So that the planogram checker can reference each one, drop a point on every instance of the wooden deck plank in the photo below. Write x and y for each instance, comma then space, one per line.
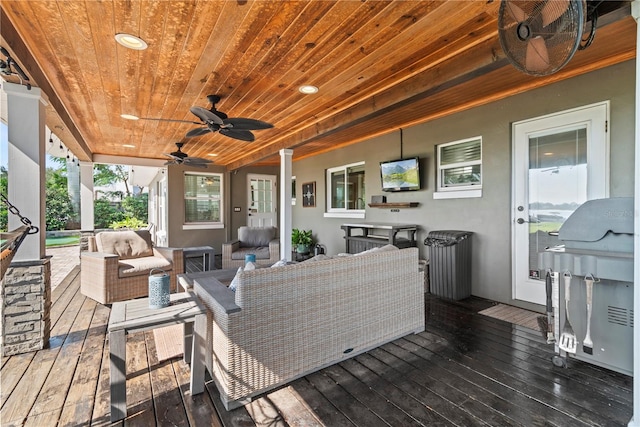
19, 403
54, 391
465, 369
418, 411
264, 413
12, 372
294, 411
328, 414
200, 409
376, 403
358, 413
167, 401
79, 404
140, 410
101, 405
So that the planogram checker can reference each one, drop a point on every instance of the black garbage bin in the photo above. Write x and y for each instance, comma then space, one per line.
450, 263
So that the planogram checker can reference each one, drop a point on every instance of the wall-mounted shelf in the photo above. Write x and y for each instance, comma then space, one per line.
394, 205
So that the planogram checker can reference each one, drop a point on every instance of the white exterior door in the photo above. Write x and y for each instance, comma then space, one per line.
261, 211
560, 161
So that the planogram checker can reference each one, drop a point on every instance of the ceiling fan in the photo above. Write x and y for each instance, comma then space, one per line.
213, 120
540, 37
179, 157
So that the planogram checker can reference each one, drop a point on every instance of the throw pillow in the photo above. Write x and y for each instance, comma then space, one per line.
280, 263
234, 283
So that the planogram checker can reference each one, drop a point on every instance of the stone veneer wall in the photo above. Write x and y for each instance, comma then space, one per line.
25, 306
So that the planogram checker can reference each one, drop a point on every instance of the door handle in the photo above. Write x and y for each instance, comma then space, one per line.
521, 221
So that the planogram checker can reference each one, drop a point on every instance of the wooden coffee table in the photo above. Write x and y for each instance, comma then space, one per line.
136, 316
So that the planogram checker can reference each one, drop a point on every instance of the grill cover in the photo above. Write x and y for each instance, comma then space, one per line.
604, 225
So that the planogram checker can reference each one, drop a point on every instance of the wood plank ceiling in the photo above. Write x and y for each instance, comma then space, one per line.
379, 65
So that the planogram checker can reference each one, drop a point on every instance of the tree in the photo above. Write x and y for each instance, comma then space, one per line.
136, 206
105, 175
4, 188
105, 214
59, 209
58, 206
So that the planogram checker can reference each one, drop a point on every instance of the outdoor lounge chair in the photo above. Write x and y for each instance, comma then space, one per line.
117, 265
263, 242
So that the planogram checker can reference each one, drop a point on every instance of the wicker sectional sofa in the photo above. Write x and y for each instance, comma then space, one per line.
283, 323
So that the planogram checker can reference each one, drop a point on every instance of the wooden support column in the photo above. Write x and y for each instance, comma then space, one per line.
25, 300
27, 149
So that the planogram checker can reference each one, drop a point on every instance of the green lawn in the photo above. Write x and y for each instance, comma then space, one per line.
62, 241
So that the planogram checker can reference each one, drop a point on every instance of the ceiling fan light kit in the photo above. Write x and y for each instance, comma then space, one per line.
541, 37
179, 157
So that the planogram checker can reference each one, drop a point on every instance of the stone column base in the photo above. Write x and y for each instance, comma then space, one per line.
25, 306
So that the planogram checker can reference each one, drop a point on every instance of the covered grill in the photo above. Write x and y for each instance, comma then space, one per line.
598, 246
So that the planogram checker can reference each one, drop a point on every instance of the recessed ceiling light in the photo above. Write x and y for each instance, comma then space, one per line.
212, 155
131, 42
129, 117
128, 145
308, 89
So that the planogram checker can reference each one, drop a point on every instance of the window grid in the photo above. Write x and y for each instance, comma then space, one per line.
460, 165
202, 198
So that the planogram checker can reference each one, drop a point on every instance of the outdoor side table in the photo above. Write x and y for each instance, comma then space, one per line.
136, 316
206, 252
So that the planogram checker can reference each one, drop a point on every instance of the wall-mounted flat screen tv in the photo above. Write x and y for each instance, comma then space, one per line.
400, 175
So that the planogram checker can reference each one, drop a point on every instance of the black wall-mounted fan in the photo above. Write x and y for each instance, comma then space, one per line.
213, 120
179, 157
540, 37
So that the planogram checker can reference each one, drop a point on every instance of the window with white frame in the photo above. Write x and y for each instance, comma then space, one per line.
460, 168
202, 198
346, 192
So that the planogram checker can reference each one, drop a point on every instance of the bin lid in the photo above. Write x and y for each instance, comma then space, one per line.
446, 237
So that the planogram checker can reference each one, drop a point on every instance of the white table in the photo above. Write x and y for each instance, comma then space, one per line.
136, 316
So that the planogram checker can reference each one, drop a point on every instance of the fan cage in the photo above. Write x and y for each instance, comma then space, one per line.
540, 37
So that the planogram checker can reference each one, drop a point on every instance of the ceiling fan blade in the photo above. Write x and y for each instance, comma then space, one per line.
537, 55
246, 124
194, 164
200, 160
197, 132
170, 120
171, 156
553, 10
171, 162
516, 13
243, 135
206, 115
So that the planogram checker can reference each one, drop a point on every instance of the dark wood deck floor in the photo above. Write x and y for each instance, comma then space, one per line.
465, 369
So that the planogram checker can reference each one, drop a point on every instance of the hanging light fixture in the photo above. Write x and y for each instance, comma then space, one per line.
50, 139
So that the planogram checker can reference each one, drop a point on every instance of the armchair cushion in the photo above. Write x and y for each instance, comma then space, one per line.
251, 237
144, 265
126, 244
259, 252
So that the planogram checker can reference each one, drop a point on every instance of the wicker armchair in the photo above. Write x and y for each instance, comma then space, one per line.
117, 264
263, 242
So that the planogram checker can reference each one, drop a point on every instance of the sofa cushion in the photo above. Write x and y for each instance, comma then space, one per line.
260, 253
143, 266
255, 236
126, 244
